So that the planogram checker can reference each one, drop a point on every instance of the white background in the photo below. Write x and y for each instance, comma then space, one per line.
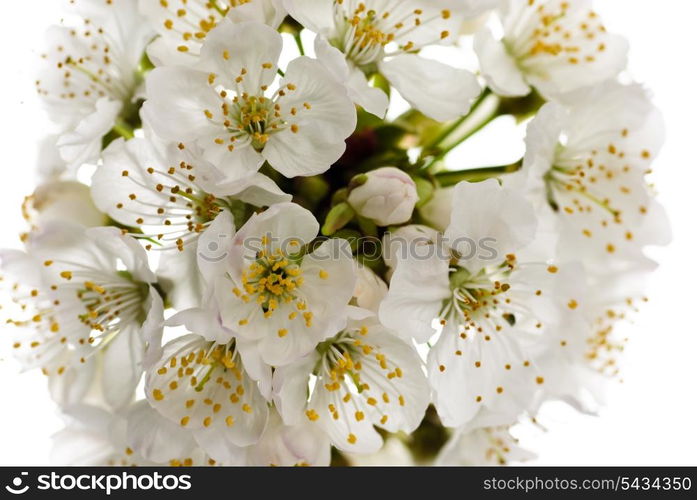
649, 419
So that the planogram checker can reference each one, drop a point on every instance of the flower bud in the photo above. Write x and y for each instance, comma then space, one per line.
386, 195
437, 211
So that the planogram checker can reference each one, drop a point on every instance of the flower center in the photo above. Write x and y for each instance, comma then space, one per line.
206, 382
598, 184
207, 360
258, 117
183, 212
364, 33
553, 33
247, 116
480, 299
105, 301
360, 377
274, 279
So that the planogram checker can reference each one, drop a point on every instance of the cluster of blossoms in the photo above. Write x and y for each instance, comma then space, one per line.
258, 267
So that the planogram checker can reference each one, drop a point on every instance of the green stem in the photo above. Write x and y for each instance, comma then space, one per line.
483, 112
124, 129
280, 72
446, 179
299, 43
445, 133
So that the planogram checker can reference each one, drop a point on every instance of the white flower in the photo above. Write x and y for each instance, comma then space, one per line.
90, 76
386, 195
274, 291
95, 298
170, 193
38, 342
589, 350
230, 109
483, 446
290, 445
555, 46
183, 25
490, 307
362, 38
61, 201
363, 377
205, 387
585, 167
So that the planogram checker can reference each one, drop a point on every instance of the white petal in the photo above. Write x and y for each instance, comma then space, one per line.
214, 245
486, 215
290, 387
85, 439
437, 90
111, 188
314, 137
417, 290
269, 12
407, 390
111, 241
315, 16
373, 100
152, 328
219, 446
541, 140
256, 368
71, 387
477, 377
173, 19
204, 322
84, 144
123, 368
346, 432
182, 293
154, 437
283, 445
177, 98
256, 189
65, 200
500, 70
370, 289
304, 154
484, 446
163, 51
49, 162
242, 50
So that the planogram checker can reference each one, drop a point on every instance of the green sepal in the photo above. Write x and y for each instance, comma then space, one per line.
337, 218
